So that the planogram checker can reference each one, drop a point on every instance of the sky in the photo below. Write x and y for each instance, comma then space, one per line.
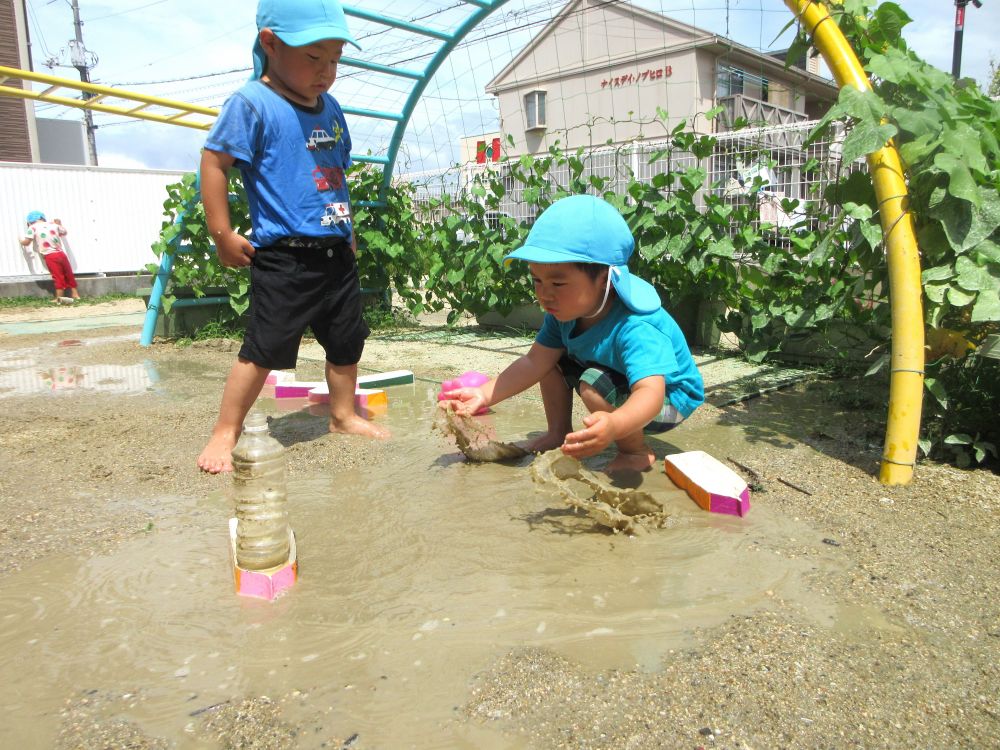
198, 51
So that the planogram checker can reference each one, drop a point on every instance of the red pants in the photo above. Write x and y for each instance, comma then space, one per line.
61, 270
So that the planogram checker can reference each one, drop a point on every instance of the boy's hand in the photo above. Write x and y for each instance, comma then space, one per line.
235, 250
464, 401
598, 435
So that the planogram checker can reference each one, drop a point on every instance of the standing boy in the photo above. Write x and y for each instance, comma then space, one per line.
47, 238
604, 335
289, 139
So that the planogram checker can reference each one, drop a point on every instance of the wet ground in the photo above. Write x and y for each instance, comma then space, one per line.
449, 605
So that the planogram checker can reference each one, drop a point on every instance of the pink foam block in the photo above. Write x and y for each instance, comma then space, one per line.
279, 376
469, 379
264, 584
295, 389
709, 482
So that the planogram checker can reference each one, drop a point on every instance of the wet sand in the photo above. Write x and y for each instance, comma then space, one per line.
894, 643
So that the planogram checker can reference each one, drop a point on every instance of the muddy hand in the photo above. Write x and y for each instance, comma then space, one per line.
597, 435
463, 401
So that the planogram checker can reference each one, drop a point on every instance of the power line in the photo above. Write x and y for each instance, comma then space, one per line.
38, 30
123, 12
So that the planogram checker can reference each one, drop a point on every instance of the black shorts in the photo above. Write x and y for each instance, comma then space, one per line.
294, 288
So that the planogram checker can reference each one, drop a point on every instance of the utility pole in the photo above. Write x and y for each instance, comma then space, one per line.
83, 60
956, 55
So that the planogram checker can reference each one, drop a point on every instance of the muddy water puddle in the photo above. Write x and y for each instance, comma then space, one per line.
415, 574
50, 369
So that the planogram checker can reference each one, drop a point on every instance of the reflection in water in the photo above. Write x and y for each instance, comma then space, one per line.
26, 376
415, 575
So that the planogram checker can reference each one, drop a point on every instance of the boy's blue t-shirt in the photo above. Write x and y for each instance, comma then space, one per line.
636, 345
292, 160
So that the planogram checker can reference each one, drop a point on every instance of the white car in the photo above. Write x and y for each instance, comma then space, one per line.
319, 138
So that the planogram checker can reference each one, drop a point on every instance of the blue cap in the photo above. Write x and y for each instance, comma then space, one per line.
298, 23
586, 229
35, 216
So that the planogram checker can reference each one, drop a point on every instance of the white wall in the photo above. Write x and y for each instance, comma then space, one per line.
113, 216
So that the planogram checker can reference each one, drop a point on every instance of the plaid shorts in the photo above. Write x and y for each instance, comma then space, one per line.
614, 388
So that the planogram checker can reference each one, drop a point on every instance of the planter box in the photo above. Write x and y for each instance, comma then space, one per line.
839, 340
523, 316
188, 314
696, 319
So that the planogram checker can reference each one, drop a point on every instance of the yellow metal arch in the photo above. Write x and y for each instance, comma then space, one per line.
906, 384
106, 99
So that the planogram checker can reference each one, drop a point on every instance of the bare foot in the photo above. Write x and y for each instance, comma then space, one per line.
543, 443
217, 456
642, 461
356, 425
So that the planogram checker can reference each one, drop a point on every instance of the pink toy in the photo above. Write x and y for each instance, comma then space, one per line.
470, 379
279, 376
295, 388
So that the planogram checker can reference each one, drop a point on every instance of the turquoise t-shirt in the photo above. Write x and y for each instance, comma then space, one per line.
636, 345
293, 161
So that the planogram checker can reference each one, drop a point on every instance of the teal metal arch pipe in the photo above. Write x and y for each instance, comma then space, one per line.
450, 41
163, 276
159, 285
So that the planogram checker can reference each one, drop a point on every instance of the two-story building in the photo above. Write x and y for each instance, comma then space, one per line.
604, 72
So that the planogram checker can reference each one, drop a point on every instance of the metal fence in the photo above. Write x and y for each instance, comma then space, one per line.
762, 165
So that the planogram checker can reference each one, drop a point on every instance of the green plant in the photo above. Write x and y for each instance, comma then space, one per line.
389, 250
948, 136
961, 421
217, 329
467, 272
12, 302
185, 236
393, 249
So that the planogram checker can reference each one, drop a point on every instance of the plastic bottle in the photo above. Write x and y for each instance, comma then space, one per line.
262, 530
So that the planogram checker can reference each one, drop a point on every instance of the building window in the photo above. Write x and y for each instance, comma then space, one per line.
534, 109
730, 82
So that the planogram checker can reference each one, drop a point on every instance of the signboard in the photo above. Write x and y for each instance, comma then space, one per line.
639, 76
487, 152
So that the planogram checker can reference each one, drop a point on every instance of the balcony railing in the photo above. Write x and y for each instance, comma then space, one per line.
755, 112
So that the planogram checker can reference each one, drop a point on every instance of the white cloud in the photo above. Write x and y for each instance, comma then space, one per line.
120, 161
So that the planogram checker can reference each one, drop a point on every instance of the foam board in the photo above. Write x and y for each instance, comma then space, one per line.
383, 379
709, 482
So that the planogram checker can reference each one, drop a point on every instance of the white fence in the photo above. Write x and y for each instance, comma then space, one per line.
775, 159
113, 216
